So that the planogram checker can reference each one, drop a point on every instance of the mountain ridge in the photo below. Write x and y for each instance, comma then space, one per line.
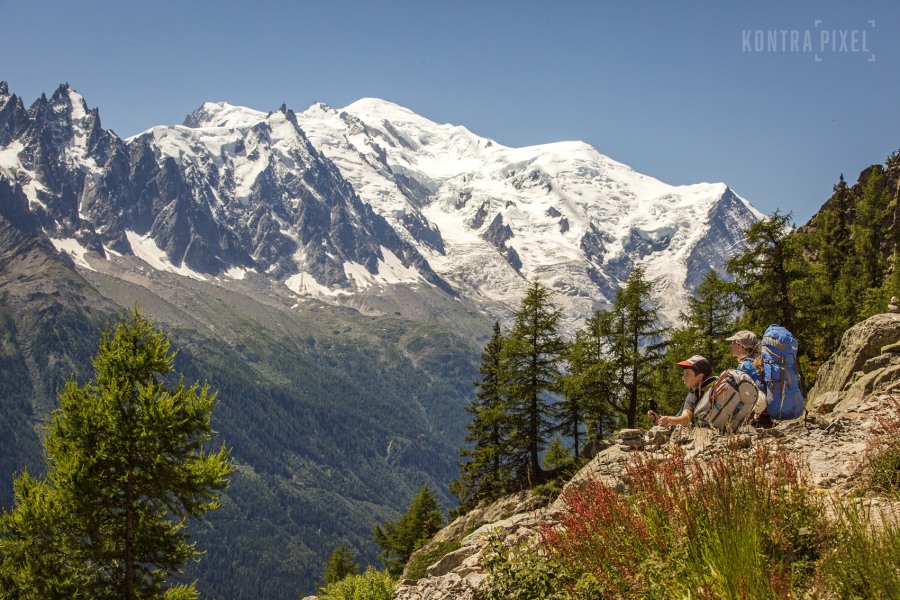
335, 202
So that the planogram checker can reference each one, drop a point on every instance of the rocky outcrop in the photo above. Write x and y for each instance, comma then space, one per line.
851, 395
458, 574
867, 362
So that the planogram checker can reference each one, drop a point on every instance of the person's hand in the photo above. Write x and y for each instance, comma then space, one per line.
653, 416
664, 421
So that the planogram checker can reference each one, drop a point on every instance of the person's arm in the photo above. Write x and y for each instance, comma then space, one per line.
683, 419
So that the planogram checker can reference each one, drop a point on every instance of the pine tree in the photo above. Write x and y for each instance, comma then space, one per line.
399, 539
341, 564
127, 467
532, 358
486, 474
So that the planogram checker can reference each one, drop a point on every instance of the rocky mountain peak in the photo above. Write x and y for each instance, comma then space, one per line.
369, 199
222, 114
13, 116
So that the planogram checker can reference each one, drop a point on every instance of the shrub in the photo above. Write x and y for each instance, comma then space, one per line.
371, 585
742, 526
521, 574
748, 520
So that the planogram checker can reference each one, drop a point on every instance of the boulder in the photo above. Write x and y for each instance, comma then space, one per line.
490, 513
631, 439
657, 437
866, 362
451, 561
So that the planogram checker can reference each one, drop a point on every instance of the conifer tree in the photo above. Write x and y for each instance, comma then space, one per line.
590, 384
486, 474
532, 357
765, 271
836, 220
557, 456
871, 230
570, 410
636, 342
710, 318
399, 539
341, 564
832, 282
127, 466
667, 388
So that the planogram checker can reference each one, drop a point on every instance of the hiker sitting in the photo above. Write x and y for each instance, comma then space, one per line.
696, 376
745, 348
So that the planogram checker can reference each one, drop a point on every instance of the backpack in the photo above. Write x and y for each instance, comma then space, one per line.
784, 387
732, 397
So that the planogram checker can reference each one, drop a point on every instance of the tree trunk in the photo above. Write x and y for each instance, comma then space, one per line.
129, 540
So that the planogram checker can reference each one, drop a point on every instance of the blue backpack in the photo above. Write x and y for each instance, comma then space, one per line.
784, 388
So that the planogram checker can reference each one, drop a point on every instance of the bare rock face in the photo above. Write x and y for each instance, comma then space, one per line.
501, 509
852, 394
458, 575
868, 361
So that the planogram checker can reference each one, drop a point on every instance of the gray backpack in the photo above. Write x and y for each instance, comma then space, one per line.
732, 398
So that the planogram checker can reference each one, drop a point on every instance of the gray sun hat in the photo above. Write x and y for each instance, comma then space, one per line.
745, 338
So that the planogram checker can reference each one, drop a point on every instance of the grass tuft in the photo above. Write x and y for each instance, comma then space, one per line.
883, 453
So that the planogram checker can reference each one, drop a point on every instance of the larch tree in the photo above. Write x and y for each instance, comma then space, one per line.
342, 564
533, 354
636, 343
710, 318
765, 272
588, 386
127, 466
485, 474
400, 538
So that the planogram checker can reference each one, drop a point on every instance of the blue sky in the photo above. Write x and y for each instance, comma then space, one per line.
684, 91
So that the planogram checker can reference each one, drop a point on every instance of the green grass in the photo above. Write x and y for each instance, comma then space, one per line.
865, 561
883, 453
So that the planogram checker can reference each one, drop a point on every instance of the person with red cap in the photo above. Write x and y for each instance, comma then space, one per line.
697, 377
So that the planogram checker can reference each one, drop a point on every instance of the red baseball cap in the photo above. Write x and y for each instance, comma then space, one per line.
698, 363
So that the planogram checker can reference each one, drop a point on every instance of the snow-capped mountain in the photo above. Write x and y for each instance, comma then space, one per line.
490, 218
364, 200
